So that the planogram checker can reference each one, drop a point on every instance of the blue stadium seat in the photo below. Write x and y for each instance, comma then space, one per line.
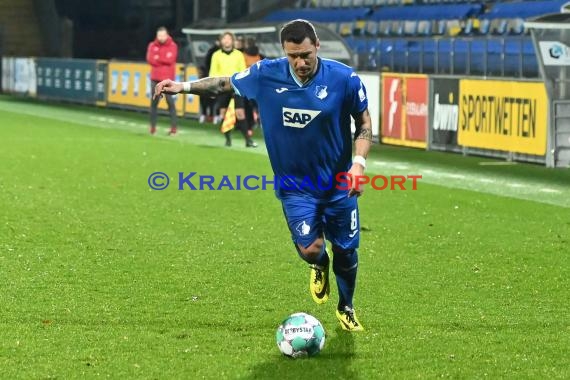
318, 15
477, 62
530, 63
400, 55
386, 52
429, 54
443, 56
461, 58
512, 56
495, 48
525, 9
427, 12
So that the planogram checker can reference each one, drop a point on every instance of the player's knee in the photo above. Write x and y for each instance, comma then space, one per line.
313, 250
342, 251
240, 114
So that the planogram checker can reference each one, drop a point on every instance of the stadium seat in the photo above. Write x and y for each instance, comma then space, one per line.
397, 28
386, 52
468, 27
429, 54
359, 27
525, 9
424, 28
410, 28
346, 28
498, 26
460, 57
484, 26
512, 58
427, 12
530, 63
439, 27
495, 55
332, 26
371, 28
477, 60
318, 15
515, 26
453, 27
384, 28
324, 4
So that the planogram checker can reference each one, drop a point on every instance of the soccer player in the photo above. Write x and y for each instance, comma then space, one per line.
161, 55
306, 103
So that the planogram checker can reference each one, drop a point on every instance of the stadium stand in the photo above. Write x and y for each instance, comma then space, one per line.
19, 40
433, 36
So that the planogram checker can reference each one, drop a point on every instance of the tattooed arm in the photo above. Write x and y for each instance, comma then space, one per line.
362, 143
363, 134
210, 86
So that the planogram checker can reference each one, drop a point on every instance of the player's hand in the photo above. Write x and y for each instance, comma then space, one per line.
167, 86
356, 187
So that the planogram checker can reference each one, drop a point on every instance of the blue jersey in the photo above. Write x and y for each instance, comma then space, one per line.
307, 127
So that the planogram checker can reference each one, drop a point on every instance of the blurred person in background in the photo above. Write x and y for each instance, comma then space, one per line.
226, 62
252, 55
161, 55
208, 104
239, 43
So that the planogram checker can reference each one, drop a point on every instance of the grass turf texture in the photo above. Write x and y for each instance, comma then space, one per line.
103, 277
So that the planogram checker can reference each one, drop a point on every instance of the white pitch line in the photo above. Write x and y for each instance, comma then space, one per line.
498, 163
549, 190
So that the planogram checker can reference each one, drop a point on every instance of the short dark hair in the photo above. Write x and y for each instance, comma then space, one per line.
297, 30
162, 29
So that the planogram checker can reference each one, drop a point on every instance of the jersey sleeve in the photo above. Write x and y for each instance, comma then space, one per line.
246, 82
356, 95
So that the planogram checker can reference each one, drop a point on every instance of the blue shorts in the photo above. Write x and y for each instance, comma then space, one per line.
308, 220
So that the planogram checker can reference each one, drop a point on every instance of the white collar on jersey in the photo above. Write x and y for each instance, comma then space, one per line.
310, 80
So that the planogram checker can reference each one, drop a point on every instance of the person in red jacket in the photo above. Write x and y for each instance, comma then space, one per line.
161, 55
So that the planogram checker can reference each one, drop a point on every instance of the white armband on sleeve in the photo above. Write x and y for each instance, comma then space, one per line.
186, 86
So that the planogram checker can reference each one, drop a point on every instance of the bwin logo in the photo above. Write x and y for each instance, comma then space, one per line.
298, 118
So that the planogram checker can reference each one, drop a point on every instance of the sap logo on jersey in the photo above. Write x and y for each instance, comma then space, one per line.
297, 118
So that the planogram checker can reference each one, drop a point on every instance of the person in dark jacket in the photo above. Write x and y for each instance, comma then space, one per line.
161, 55
208, 104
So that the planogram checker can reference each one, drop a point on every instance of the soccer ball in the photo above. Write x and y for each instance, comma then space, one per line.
300, 334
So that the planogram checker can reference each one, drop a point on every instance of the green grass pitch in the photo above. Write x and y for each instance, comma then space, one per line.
101, 277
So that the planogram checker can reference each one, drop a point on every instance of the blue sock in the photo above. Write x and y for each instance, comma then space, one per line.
322, 259
345, 266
